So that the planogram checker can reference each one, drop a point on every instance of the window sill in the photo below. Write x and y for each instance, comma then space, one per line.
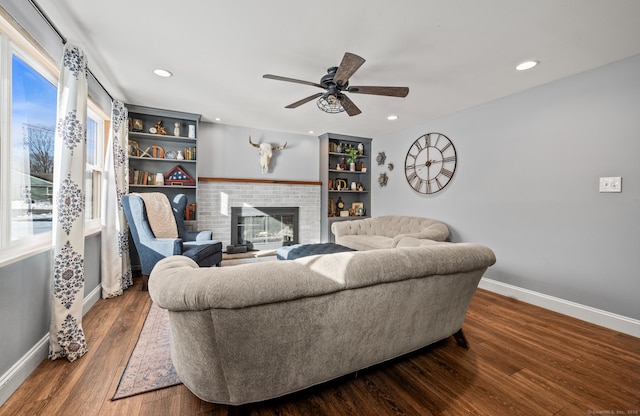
40, 244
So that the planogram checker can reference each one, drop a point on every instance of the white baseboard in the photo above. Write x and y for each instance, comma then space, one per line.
18, 373
595, 316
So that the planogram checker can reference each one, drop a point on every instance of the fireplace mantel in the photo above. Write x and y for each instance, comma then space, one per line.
249, 180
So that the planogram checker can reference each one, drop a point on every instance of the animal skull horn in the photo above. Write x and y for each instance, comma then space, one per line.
266, 152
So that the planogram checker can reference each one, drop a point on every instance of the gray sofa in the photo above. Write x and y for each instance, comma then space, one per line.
256, 331
386, 231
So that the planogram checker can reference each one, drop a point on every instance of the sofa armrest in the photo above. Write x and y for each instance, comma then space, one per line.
351, 227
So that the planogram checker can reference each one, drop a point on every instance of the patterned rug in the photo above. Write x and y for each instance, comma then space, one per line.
149, 367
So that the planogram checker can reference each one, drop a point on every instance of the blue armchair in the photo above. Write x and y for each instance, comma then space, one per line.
198, 246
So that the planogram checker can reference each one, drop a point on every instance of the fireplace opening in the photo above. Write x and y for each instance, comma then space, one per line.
262, 228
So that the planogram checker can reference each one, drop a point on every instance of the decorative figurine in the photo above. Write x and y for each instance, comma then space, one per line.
176, 129
382, 179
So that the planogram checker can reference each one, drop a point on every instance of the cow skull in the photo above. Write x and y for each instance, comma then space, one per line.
266, 152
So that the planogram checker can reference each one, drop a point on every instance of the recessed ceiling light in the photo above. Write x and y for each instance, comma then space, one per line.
523, 66
392, 117
310, 131
217, 118
162, 73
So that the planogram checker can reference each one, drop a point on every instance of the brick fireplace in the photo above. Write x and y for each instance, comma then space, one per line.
217, 197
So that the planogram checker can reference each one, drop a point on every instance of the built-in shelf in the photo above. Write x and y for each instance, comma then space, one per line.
150, 165
329, 159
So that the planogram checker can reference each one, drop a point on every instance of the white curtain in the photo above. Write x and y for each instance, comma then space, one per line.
66, 337
115, 263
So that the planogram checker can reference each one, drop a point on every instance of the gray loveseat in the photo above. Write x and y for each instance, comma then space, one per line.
256, 331
387, 231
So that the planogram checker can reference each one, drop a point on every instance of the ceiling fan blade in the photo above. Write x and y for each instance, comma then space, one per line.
297, 81
387, 91
304, 100
349, 106
349, 65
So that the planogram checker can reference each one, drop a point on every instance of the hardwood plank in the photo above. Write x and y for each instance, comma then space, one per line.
522, 360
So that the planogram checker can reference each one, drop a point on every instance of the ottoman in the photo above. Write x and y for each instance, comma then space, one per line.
205, 253
302, 250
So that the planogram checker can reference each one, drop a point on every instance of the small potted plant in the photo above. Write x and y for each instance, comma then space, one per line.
353, 156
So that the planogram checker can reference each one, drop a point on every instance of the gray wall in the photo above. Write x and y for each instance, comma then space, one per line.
224, 152
25, 304
527, 180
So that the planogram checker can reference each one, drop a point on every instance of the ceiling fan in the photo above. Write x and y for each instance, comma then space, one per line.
336, 83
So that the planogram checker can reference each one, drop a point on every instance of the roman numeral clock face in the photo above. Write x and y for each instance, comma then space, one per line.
430, 163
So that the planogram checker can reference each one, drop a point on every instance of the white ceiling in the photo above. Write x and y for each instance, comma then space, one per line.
452, 54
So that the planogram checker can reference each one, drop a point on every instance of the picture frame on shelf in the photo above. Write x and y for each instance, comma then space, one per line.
134, 148
357, 208
137, 125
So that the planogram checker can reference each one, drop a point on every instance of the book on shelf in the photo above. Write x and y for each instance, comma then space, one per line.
189, 153
139, 177
190, 212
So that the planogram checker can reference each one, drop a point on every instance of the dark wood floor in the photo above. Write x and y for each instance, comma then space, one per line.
523, 360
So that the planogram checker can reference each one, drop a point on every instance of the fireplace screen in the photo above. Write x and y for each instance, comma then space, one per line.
263, 228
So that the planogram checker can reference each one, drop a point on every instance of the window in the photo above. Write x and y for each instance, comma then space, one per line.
33, 120
28, 89
95, 146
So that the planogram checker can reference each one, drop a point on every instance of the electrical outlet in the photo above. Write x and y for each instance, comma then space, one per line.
611, 184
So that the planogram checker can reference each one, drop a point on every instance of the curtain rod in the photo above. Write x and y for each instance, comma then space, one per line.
64, 41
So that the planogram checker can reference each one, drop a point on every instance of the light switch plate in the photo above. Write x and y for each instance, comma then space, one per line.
611, 184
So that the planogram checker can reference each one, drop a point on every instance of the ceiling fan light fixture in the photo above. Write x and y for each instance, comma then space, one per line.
523, 66
330, 104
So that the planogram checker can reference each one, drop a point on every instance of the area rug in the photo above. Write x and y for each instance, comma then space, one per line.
150, 367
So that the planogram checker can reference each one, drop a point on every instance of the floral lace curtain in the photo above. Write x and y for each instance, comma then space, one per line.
115, 263
66, 337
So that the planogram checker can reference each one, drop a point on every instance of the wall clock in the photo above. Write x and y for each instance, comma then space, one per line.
430, 163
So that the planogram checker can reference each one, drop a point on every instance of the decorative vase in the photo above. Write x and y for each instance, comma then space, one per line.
352, 167
360, 149
339, 148
180, 156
